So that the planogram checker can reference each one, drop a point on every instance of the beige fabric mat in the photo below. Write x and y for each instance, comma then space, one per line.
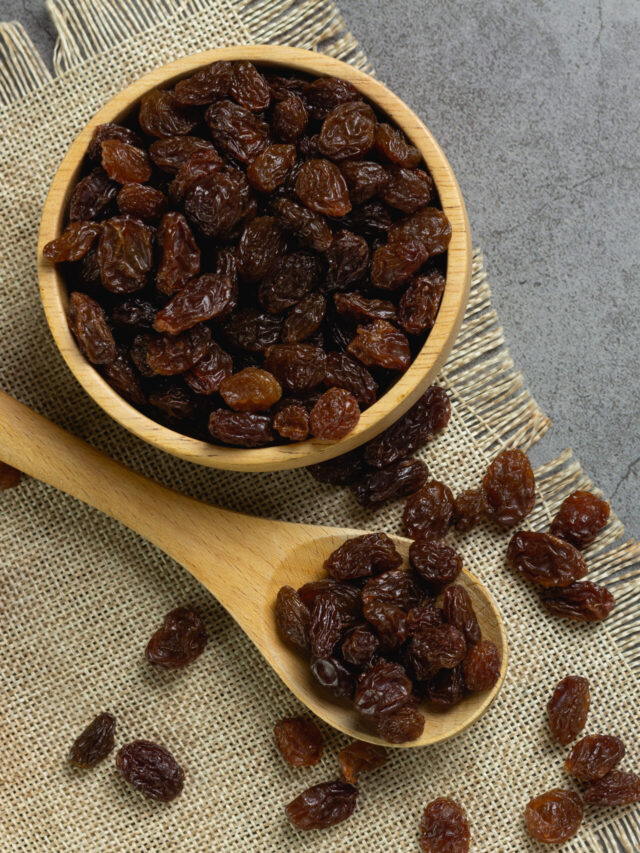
80, 594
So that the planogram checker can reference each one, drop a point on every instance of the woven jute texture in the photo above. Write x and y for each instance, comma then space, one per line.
80, 594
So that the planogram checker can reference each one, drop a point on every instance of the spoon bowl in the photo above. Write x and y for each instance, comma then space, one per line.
240, 559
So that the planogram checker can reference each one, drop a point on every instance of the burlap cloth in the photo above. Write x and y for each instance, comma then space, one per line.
80, 594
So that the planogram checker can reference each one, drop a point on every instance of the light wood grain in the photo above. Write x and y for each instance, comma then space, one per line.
241, 560
392, 404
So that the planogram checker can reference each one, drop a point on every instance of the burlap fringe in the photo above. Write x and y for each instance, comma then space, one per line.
488, 392
21, 68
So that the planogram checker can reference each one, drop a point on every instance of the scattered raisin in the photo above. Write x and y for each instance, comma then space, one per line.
95, 742
584, 601
322, 806
554, 817
360, 757
594, 756
468, 508
428, 513
151, 769
444, 828
615, 789
544, 559
299, 741
10, 477
509, 488
568, 708
397, 480
580, 518
181, 639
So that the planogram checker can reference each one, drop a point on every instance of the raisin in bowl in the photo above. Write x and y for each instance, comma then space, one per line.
255, 258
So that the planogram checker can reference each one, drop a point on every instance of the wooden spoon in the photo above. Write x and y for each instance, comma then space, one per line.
241, 559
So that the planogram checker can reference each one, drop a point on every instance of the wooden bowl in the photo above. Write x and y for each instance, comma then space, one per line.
397, 399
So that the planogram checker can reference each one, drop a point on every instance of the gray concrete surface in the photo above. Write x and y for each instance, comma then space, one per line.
536, 105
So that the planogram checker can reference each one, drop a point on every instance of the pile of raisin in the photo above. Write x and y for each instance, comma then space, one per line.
253, 258
555, 816
388, 637
553, 560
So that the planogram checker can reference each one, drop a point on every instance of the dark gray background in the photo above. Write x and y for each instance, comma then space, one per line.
536, 105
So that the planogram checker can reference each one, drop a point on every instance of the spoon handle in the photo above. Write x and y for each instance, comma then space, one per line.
204, 539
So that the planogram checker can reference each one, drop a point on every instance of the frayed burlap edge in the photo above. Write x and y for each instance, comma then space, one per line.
487, 390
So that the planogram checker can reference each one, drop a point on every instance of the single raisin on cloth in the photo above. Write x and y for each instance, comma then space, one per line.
81, 595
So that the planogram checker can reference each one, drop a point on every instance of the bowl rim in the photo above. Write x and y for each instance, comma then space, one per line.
391, 405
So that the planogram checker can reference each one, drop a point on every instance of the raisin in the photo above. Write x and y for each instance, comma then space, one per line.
292, 618
360, 646
568, 707
205, 86
90, 329
175, 401
151, 769
292, 422
360, 757
125, 254
580, 518
260, 246
347, 260
74, 242
206, 376
298, 367
363, 556
429, 416
210, 296
299, 741
179, 257
249, 87
125, 163
326, 93
419, 303
440, 647
322, 806
406, 724
304, 319
382, 345
172, 354
383, 689
294, 278
309, 227
216, 202
397, 480
393, 264
92, 196
428, 513
237, 131
444, 828
544, 559
9, 477
181, 639
365, 179
332, 674
122, 375
146, 203
437, 563
446, 688
594, 756
361, 309
241, 428
325, 625
89, 268
341, 471
171, 153
162, 115
615, 789
458, 611
110, 131
408, 189
138, 354
586, 601
342, 371
250, 390
372, 218
424, 615
509, 488
200, 163
283, 87
392, 144
334, 415
348, 132
95, 742
468, 508
289, 119
481, 667
554, 817
270, 167
322, 189
428, 230
252, 330
394, 586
